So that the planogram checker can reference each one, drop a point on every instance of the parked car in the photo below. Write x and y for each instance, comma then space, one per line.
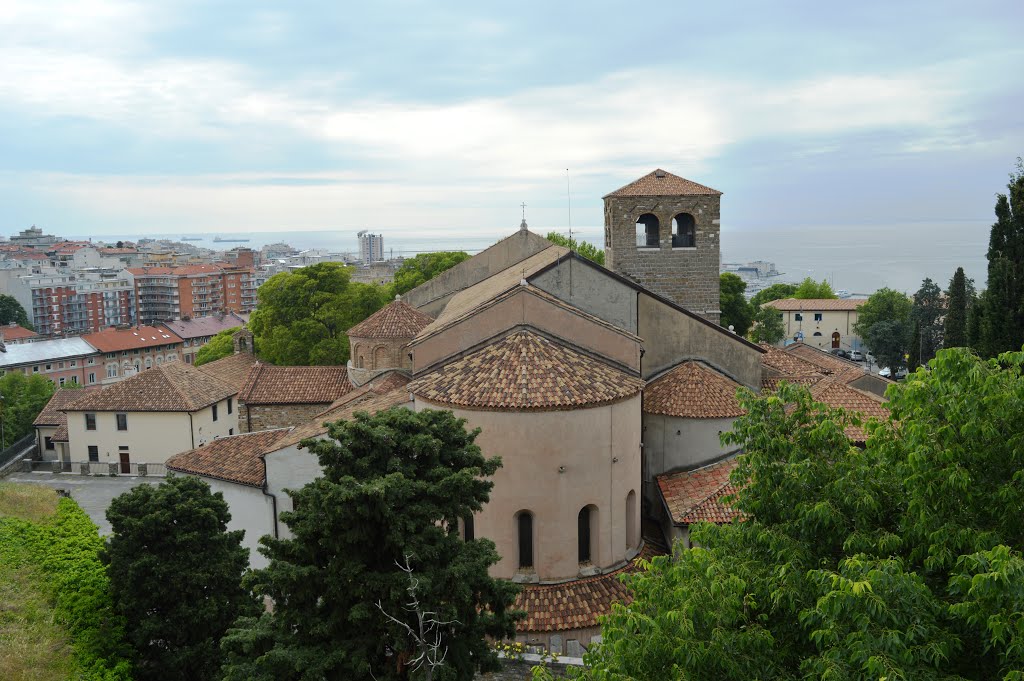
839, 352
885, 372
856, 356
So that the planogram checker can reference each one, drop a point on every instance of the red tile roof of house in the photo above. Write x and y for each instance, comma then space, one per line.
51, 415
202, 327
577, 604
174, 386
236, 458
789, 364
367, 400
662, 183
134, 338
835, 392
269, 384
816, 304
694, 496
526, 371
692, 390
396, 320
14, 331
825, 361
233, 369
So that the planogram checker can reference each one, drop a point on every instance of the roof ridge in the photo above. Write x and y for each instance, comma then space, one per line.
174, 386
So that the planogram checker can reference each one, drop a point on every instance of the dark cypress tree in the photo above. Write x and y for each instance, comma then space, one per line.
955, 332
926, 316
1002, 326
914, 351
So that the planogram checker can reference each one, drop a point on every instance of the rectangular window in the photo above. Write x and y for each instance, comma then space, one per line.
92, 360
111, 355
35, 369
60, 365
90, 421
94, 453
49, 443
122, 421
61, 381
92, 378
229, 405
817, 316
215, 412
112, 371
231, 431
799, 317
74, 363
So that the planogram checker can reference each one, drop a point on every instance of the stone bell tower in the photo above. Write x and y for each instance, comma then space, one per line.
662, 231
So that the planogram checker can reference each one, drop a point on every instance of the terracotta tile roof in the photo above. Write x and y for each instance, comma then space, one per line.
61, 434
835, 392
694, 496
178, 270
692, 390
51, 415
816, 304
233, 369
526, 371
201, 327
772, 382
14, 331
396, 320
137, 337
269, 384
825, 361
577, 604
379, 385
368, 401
236, 458
174, 386
662, 183
788, 364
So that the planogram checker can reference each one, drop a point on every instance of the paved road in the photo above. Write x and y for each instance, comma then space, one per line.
93, 494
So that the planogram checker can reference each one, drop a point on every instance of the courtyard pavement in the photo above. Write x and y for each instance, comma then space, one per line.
93, 494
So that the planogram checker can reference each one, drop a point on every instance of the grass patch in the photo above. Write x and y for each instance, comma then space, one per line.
33, 646
34, 503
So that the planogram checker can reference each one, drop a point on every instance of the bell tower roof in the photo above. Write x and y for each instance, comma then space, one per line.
663, 183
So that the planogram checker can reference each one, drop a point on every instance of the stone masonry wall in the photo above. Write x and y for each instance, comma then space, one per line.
266, 416
686, 276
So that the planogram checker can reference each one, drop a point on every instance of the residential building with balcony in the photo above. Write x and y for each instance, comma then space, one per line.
127, 351
168, 293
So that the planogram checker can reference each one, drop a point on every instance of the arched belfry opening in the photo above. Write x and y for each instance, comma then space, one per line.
648, 231
684, 231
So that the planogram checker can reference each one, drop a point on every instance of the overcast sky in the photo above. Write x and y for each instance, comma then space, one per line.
136, 117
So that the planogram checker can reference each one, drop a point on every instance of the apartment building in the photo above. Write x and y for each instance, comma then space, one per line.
69, 304
126, 351
166, 293
63, 360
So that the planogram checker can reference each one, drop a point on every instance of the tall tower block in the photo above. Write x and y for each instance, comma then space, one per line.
662, 231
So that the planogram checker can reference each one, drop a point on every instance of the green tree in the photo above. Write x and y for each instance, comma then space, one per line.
12, 311
768, 326
424, 267
915, 347
926, 314
773, 292
901, 560
177, 571
1002, 321
220, 346
302, 316
955, 323
394, 488
810, 289
889, 310
21, 399
584, 248
736, 311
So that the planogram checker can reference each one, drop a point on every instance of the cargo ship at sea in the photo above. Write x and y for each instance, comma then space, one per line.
222, 240
191, 238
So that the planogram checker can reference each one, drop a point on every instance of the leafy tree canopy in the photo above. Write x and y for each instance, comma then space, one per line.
768, 326
773, 292
926, 316
424, 267
23, 398
810, 289
220, 346
177, 571
889, 311
302, 316
736, 311
12, 311
584, 248
394, 488
901, 560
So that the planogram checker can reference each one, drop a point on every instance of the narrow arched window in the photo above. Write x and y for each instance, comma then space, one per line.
631, 540
647, 231
524, 522
684, 233
583, 534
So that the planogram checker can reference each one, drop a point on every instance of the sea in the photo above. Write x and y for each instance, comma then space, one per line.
857, 258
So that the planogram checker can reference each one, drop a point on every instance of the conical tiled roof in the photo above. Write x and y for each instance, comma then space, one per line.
397, 320
692, 390
662, 183
526, 371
